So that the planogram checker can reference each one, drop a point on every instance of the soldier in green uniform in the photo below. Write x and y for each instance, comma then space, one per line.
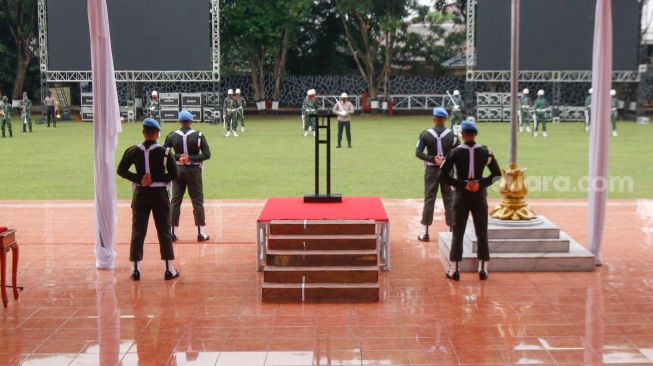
469, 160
154, 107
524, 111
456, 110
309, 110
438, 142
588, 110
26, 112
229, 110
190, 151
154, 170
240, 111
6, 116
539, 113
614, 111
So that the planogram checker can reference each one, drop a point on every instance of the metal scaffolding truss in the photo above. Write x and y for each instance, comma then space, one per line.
549, 76
212, 75
474, 75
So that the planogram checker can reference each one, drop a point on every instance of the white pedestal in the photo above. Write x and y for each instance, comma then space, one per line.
524, 246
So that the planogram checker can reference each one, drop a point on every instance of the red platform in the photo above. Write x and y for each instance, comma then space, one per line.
351, 208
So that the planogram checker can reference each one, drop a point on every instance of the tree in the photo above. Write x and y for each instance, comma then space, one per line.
371, 29
20, 17
261, 33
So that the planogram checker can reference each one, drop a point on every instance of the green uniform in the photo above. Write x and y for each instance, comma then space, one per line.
26, 114
192, 143
154, 110
524, 110
539, 113
457, 111
229, 108
309, 110
6, 120
588, 111
614, 113
466, 202
240, 111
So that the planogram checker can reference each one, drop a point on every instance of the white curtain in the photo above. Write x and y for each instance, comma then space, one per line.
600, 135
106, 128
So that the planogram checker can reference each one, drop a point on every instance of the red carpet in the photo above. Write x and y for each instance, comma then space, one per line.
351, 208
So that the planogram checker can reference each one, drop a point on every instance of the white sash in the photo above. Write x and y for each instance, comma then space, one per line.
146, 151
471, 174
439, 139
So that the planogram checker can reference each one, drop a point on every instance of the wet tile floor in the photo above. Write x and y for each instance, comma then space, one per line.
72, 314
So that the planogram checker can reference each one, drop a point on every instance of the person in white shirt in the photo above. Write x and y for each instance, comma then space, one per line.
344, 109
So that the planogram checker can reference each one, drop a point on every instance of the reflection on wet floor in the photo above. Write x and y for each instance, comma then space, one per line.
71, 314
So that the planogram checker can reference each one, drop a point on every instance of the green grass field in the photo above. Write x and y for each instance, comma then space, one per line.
272, 159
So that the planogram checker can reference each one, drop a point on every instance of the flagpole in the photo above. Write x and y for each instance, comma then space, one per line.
513, 186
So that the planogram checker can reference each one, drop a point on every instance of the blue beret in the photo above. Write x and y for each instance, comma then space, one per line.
468, 125
440, 112
185, 116
151, 122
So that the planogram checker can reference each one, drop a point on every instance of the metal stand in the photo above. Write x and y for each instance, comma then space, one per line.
328, 197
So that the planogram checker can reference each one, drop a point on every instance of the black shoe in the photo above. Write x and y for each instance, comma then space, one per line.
423, 237
338, 147
202, 237
136, 275
482, 275
169, 276
453, 275
174, 237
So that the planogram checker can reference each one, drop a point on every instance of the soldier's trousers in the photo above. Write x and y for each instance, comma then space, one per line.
51, 117
240, 118
309, 123
144, 201
465, 203
230, 122
432, 182
6, 123
188, 176
27, 122
613, 118
523, 117
344, 125
456, 118
539, 119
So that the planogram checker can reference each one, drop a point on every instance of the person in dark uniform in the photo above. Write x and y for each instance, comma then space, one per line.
50, 107
190, 151
438, 141
470, 160
154, 170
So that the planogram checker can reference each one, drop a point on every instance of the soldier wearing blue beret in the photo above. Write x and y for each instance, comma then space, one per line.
469, 160
438, 142
190, 151
154, 170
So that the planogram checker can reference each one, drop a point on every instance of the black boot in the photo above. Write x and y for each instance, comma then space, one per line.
482, 273
454, 274
423, 237
136, 274
169, 275
201, 237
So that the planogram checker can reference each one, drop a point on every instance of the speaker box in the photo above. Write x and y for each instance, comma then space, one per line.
189, 100
169, 114
87, 99
169, 99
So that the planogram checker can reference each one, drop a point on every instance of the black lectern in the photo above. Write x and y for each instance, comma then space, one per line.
323, 125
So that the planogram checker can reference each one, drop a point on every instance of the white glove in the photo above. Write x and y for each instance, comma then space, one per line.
343, 113
456, 108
